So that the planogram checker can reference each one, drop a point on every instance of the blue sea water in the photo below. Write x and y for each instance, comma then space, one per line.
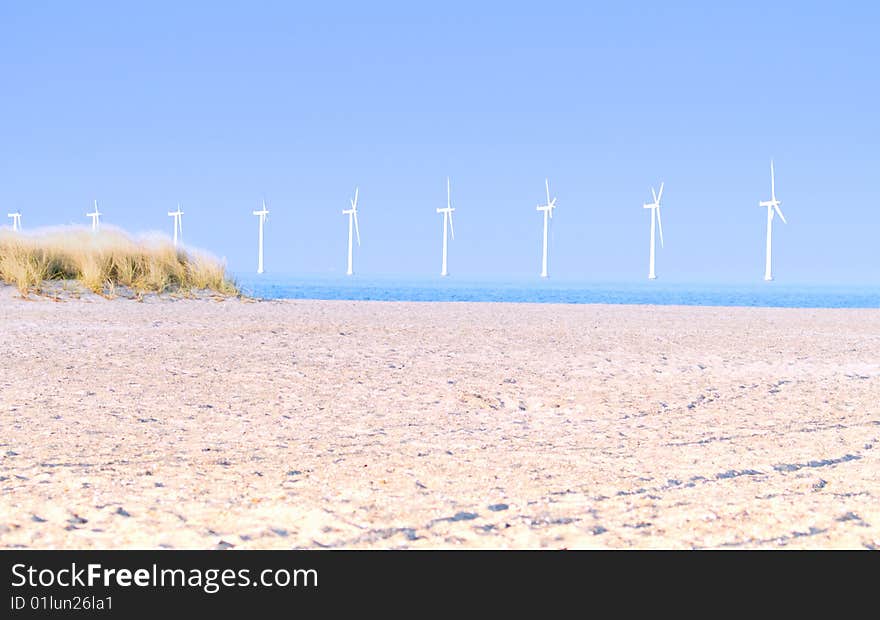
764, 294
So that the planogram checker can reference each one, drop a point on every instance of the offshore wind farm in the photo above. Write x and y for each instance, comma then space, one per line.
448, 230
379, 331
289, 281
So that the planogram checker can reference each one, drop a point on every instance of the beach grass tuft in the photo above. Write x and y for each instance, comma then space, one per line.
105, 260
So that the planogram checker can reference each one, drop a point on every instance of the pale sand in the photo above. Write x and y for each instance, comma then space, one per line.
422, 425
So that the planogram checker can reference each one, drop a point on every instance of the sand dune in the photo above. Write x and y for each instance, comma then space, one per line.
205, 424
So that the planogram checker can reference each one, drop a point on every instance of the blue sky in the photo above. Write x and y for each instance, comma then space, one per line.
218, 105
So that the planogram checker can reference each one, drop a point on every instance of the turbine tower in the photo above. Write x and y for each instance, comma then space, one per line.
548, 215
264, 216
178, 223
772, 208
656, 222
447, 222
352, 221
16, 221
96, 216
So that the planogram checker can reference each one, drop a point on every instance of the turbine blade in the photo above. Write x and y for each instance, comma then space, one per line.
772, 182
451, 227
547, 185
660, 194
654, 195
180, 225
356, 229
355, 203
448, 194
779, 211
660, 224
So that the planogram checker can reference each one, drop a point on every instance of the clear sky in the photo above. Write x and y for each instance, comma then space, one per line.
218, 105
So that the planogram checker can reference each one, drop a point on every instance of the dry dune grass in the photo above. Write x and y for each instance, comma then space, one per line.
105, 260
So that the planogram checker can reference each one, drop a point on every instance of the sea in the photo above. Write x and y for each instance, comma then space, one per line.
656, 292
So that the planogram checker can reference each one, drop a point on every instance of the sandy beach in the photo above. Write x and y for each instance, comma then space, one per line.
289, 424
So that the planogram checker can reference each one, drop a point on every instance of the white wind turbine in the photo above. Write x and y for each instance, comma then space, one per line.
548, 215
16, 221
178, 223
352, 221
96, 216
656, 222
264, 216
447, 222
772, 208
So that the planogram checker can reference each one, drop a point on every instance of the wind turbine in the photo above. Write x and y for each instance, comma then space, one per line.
656, 222
16, 221
548, 214
772, 208
264, 216
95, 217
447, 221
352, 220
178, 223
